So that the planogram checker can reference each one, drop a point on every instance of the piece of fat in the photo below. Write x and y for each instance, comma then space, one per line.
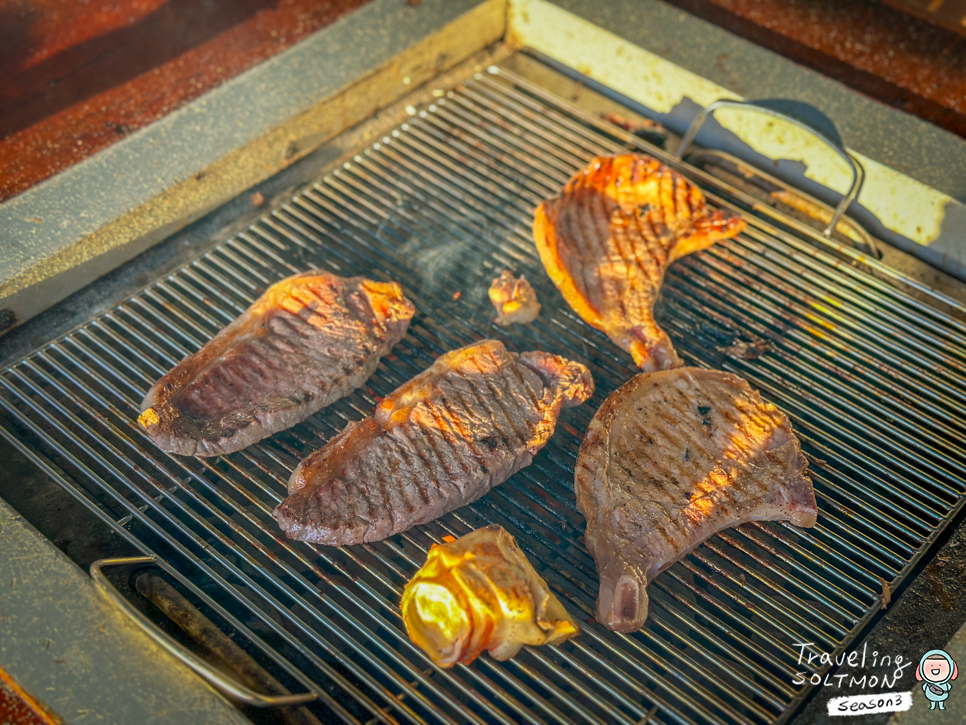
514, 299
481, 593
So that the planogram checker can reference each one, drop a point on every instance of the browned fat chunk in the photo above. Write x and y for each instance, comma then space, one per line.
671, 458
305, 343
481, 593
514, 300
474, 418
607, 239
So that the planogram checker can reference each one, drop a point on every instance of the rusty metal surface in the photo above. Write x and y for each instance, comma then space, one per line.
949, 14
80, 77
19, 708
902, 61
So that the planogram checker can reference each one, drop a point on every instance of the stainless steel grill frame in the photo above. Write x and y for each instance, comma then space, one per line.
871, 376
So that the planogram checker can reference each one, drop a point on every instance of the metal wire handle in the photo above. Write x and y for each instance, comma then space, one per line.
858, 173
202, 668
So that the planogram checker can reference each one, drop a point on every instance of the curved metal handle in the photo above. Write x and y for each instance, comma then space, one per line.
202, 668
858, 173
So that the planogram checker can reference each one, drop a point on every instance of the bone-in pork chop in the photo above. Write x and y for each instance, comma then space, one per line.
474, 418
308, 341
608, 237
670, 459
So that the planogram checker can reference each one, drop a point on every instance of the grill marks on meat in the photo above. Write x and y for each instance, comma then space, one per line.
305, 343
670, 459
607, 239
474, 418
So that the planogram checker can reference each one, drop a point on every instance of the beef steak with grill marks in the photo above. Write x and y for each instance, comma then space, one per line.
442, 440
305, 343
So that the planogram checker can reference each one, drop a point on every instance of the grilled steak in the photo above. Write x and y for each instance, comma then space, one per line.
474, 418
608, 237
302, 345
670, 459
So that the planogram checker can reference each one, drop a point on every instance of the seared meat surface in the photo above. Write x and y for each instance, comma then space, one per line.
514, 299
670, 459
474, 418
308, 341
608, 237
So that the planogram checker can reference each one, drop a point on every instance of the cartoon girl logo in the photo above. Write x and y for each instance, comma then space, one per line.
936, 671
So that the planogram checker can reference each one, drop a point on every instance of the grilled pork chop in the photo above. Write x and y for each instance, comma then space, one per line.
670, 459
474, 418
608, 237
305, 343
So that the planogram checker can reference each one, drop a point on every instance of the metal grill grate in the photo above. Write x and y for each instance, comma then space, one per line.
873, 380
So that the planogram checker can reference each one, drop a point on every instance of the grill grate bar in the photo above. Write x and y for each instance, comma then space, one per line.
362, 189
267, 512
871, 410
832, 334
471, 123
441, 205
857, 320
121, 436
580, 122
276, 497
132, 511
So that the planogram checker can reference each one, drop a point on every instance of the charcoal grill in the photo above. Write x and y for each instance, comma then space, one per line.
868, 364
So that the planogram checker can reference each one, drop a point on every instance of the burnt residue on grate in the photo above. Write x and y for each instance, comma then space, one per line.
871, 378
